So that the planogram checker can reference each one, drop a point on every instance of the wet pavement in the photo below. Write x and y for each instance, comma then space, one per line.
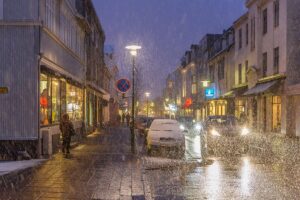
103, 168
228, 178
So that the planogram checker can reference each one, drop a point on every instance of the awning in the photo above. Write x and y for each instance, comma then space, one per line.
236, 92
261, 88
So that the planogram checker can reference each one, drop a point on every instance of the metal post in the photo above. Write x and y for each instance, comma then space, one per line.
132, 108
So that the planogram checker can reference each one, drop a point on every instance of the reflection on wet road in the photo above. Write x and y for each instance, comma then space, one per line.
228, 178
192, 145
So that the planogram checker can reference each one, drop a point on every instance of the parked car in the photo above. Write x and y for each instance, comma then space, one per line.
165, 135
225, 135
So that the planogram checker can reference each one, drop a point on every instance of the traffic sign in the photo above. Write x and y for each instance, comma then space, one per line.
123, 85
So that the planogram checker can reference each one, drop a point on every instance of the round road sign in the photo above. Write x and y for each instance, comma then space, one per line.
123, 85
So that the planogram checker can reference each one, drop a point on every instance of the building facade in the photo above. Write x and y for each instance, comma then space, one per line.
251, 69
47, 68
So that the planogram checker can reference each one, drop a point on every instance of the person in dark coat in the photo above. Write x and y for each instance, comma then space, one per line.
128, 119
123, 118
67, 129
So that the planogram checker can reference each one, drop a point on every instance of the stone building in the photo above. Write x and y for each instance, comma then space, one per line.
52, 56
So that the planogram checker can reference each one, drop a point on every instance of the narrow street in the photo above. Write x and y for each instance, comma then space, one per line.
102, 168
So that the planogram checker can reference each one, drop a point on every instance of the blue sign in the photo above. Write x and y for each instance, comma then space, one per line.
209, 92
123, 85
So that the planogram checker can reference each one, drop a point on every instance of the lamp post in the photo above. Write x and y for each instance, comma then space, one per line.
133, 51
147, 94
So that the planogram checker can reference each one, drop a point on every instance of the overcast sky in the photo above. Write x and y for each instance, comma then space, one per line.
164, 28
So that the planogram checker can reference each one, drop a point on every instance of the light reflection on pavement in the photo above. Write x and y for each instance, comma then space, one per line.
228, 178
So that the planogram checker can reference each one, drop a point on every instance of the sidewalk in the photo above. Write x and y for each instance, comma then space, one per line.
102, 167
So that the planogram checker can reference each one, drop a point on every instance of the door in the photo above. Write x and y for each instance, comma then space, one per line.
297, 118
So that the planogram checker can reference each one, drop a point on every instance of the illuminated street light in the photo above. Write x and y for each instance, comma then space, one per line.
147, 94
133, 51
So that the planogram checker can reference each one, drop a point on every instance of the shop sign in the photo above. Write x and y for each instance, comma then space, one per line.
209, 92
3, 90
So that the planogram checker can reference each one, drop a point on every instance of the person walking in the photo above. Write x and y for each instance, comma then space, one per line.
123, 118
67, 129
128, 119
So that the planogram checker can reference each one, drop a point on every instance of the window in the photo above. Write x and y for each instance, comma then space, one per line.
45, 105
265, 21
246, 70
247, 34
50, 15
276, 13
252, 34
74, 99
55, 102
240, 74
276, 113
212, 74
184, 85
276, 60
194, 88
71, 34
240, 38
1, 10
240, 108
264, 64
221, 69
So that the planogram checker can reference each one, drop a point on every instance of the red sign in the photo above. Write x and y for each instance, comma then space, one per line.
188, 103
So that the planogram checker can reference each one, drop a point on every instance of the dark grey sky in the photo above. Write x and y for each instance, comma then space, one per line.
164, 28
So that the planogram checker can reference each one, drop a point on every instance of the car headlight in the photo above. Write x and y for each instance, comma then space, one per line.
181, 127
198, 127
245, 131
215, 133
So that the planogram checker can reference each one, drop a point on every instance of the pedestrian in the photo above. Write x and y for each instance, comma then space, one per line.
118, 119
123, 118
128, 119
67, 129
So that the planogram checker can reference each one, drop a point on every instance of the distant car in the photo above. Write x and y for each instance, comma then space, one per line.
189, 124
143, 123
166, 135
225, 134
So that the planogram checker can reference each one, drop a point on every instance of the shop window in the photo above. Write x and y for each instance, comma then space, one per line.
240, 108
221, 107
55, 100
212, 108
194, 88
276, 113
74, 100
44, 99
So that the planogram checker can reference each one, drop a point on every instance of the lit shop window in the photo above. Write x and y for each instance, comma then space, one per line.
276, 112
240, 108
44, 99
56, 103
74, 102
212, 108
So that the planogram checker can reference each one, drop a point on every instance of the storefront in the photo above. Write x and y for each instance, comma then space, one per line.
58, 96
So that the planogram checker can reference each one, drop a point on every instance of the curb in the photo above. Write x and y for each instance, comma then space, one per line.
10, 181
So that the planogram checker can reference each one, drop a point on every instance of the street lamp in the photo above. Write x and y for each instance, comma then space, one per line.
133, 51
147, 94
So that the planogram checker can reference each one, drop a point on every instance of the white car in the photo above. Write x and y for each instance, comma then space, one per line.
166, 134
